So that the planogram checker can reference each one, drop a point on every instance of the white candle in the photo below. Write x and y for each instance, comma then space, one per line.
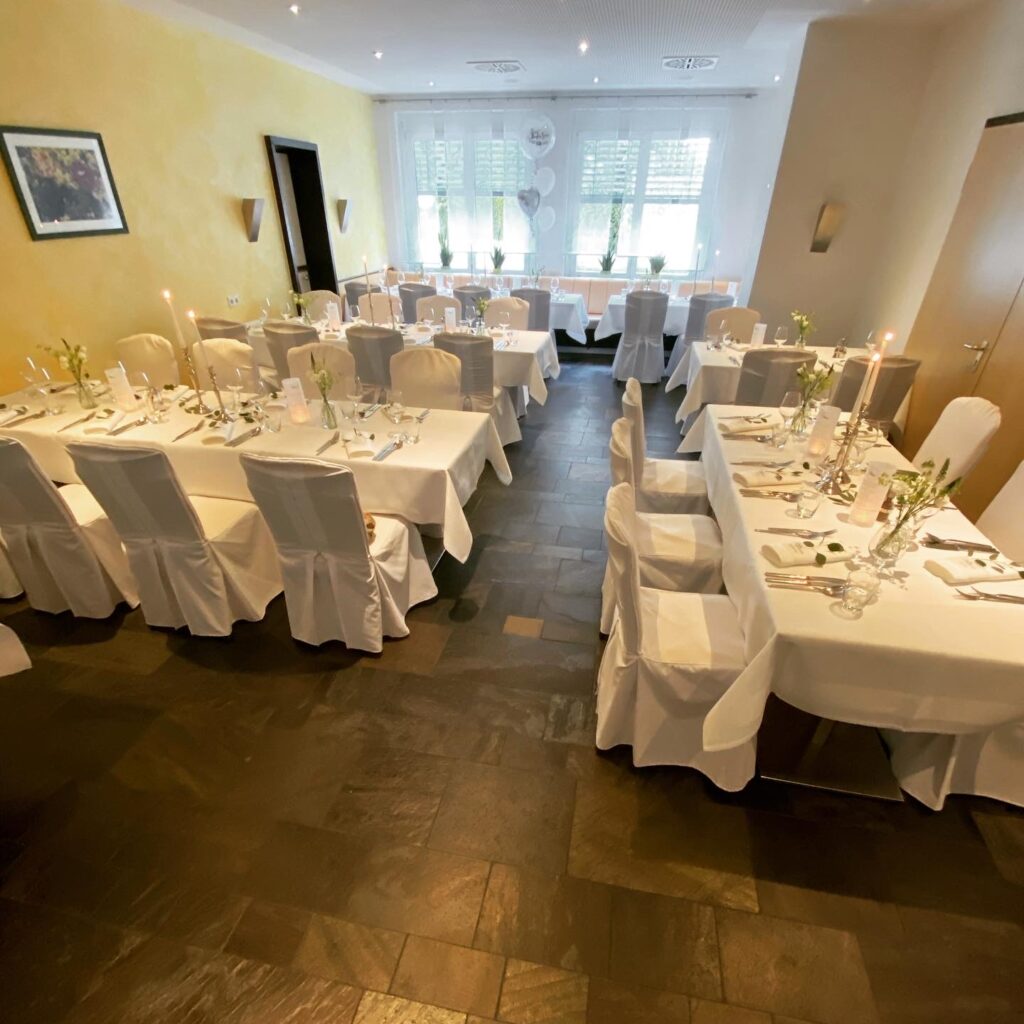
391, 305
369, 301
191, 314
174, 316
876, 361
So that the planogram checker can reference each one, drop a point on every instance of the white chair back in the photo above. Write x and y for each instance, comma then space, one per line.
469, 295
539, 301
149, 354
518, 311
895, 379
476, 356
619, 453
317, 302
228, 359
48, 549
282, 336
433, 306
768, 373
353, 290
961, 434
1002, 522
380, 309
633, 411
372, 349
218, 327
737, 321
409, 295
645, 316
641, 349
620, 528
428, 377
337, 359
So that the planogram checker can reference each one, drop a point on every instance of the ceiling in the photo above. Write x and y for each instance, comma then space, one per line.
425, 47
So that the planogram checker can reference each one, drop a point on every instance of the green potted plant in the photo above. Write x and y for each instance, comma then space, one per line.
657, 264
497, 259
608, 261
446, 253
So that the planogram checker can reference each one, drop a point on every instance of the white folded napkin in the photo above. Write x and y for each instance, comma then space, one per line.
745, 427
959, 570
768, 477
797, 552
358, 448
115, 421
9, 414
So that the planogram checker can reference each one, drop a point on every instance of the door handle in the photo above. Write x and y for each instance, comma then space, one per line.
977, 348
979, 354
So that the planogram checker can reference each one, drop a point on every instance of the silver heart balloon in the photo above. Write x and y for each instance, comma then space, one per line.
529, 201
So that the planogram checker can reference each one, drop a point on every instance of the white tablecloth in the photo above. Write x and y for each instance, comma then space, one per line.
569, 314
918, 660
613, 320
427, 483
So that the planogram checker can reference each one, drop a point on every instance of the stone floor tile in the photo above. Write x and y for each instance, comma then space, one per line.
445, 975
704, 1012
609, 1002
270, 932
535, 994
1004, 837
376, 1008
353, 953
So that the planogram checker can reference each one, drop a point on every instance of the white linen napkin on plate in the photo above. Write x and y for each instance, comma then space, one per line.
959, 570
358, 448
796, 552
768, 477
743, 427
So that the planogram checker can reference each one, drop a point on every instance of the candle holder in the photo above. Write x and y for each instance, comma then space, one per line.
835, 479
200, 407
219, 414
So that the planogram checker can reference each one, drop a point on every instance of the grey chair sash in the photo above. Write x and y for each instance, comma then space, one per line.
409, 294
468, 296
477, 358
540, 306
372, 349
768, 373
895, 379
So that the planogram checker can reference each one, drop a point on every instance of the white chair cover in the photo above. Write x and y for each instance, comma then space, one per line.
737, 321
468, 296
10, 585
149, 354
674, 552
1003, 521
353, 290
539, 301
317, 302
428, 377
336, 585
668, 660
372, 349
282, 336
226, 358
433, 306
410, 275
380, 309
661, 485
13, 656
518, 311
202, 563
218, 327
409, 295
961, 434
62, 546
768, 373
337, 359
895, 379
641, 349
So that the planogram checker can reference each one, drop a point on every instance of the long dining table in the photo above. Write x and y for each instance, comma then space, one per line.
427, 483
919, 659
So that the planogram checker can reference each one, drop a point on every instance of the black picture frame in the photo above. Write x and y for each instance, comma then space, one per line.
53, 188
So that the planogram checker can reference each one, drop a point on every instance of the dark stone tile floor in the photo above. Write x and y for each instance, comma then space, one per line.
199, 831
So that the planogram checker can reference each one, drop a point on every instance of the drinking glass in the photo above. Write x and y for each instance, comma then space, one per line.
554, 286
411, 431
780, 435
394, 410
505, 320
808, 502
400, 277
236, 385
157, 406
781, 335
273, 416
449, 283
861, 587
788, 406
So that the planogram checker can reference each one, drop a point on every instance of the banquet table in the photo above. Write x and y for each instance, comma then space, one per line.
613, 320
920, 658
569, 314
427, 483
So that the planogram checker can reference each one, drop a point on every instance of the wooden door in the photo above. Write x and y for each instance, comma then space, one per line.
976, 282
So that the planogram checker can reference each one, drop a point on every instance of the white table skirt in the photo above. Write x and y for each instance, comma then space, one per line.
918, 660
613, 320
427, 483
569, 314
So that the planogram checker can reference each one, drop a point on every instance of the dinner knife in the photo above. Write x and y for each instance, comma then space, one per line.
74, 423
387, 450
126, 426
242, 438
25, 419
191, 430
333, 439
931, 541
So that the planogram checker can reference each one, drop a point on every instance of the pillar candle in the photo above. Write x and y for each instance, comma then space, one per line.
369, 301
174, 316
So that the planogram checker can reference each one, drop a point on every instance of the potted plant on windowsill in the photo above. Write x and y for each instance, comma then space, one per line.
608, 261
497, 259
657, 265
446, 253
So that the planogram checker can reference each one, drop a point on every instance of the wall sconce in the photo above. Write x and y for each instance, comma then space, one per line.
343, 215
830, 218
252, 215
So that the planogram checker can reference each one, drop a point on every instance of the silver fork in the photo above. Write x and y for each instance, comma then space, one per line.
751, 492
785, 531
829, 589
795, 577
979, 595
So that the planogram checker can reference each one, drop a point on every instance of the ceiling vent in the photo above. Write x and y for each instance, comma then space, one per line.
688, 63
496, 67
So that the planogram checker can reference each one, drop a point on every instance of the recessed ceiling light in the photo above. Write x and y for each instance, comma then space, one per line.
584, 46
378, 54
431, 84
596, 79
295, 8
778, 78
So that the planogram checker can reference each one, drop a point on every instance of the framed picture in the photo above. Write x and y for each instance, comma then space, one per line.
62, 181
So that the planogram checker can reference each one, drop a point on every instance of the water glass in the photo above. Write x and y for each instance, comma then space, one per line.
780, 435
394, 410
782, 336
411, 431
861, 587
789, 405
273, 416
808, 502
157, 405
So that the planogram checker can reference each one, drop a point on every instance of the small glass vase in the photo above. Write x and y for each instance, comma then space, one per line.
479, 325
85, 394
801, 341
328, 417
803, 419
890, 542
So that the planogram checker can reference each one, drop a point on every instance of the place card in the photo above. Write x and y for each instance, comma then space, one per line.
295, 400
333, 316
757, 335
449, 320
871, 494
120, 390
823, 431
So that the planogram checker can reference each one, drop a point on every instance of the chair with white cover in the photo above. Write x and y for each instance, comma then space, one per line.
469, 295
149, 354
327, 354
641, 349
13, 656
230, 361
199, 562
380, 308
895, 379
766, 374
674, 551
353, 291
317, 301
282, 336
1002, 521
372, 349
10, 585
518, 311
476, 356
433, 306
539, 301
669, 658
427, 377
218, 327
63, 548
661, 485
961, 434
338, 583
409, 295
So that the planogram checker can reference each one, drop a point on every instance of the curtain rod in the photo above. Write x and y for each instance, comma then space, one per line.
745, 94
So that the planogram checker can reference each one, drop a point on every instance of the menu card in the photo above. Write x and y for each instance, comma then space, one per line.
757, 335
295, 400
824, 430
871, 494
449, 319
121, 391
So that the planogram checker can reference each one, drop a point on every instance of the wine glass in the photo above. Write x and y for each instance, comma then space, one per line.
505, 321
395, 409
235, 383
355, 396
788, 406
400, 277
781, 335
554, 286
449, 283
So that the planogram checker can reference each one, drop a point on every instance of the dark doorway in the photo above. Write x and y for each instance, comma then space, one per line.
303, 211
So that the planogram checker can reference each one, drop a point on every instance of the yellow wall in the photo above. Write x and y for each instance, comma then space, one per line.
183, 115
